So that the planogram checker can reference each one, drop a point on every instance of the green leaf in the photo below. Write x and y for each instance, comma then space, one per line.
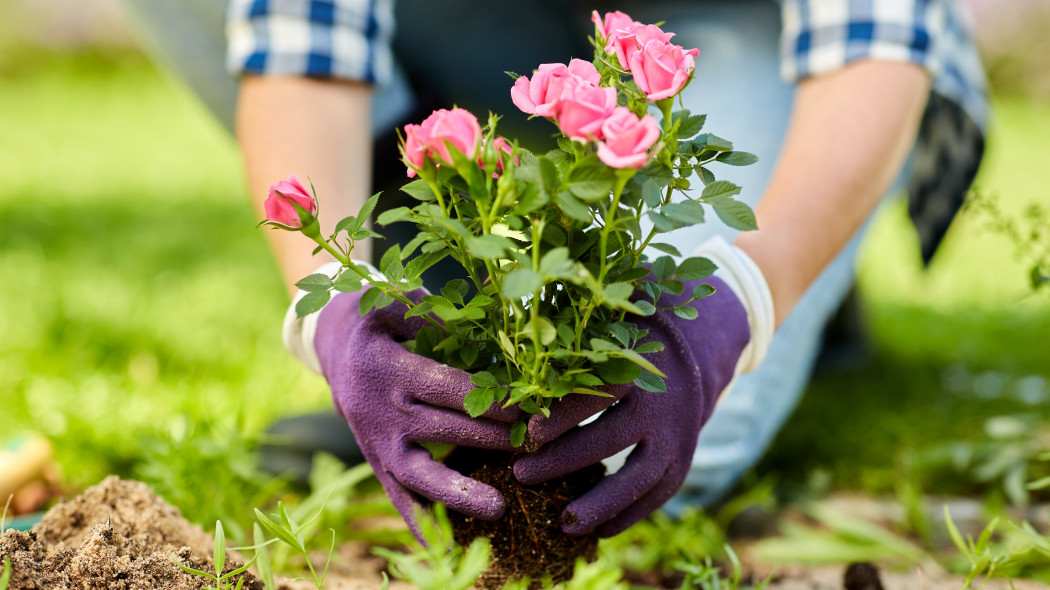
737, 158
713, 142
665, 248
366, 210
484, 379
621, 334
347, 224
572, 207
650, 382
686, 213
489, 246
618, 371
469, 354
419, 190
549, 175
421, 263
311, 302
455, 290
592, 182
703, 290
394, 215
391, 257
532, 198
640, 361
662, 223
618, 291
478, 401
315, 282
219, 548
368, 300
556, 264
603, 345
347, 282
692, 125
663, 267
646, 308
696, 268
589, 380
521, 282
735, 214
517, 433
547, 331
650, 347
720, 189
481, 300
651, 193
706, 176
686, 312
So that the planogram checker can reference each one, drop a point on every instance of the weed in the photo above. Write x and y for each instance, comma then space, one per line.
438, 563
704, 575
288, 530
222, 581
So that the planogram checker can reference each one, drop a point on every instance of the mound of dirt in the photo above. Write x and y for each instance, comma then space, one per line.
117, 535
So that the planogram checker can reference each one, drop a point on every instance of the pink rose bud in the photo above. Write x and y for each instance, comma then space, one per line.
540, 95
457, 128
661, 70
582, 111
414, 150
608, 27
278, 204
627, 139
503, 151
631, 40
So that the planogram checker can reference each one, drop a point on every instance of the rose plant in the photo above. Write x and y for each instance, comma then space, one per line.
557, 245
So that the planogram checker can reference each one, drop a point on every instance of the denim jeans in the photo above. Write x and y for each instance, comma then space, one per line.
736, 84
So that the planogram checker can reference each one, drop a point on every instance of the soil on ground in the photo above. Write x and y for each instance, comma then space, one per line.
117, 535
527, 541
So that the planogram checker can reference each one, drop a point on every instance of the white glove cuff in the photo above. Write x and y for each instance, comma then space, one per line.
746, 280
298, 333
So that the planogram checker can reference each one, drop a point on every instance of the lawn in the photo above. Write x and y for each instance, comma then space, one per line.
141, 308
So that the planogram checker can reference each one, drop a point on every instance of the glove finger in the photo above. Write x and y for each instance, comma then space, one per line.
565, 414
430, 424
405, 501
612, 432
646, 505
644, 469
419, 472
445, 386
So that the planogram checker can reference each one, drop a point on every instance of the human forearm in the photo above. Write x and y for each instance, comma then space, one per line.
317, 129
850, 133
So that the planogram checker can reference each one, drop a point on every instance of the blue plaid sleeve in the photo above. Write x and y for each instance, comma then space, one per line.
821, 36
347, 39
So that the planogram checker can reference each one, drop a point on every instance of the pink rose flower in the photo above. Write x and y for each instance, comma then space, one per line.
503, 150
457, 128
629, 41
540, 95
582, 111
627, 139
661, 69
610, 25
278, 208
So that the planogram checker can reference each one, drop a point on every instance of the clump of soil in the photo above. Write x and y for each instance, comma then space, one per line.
862, 576
117, 535
528, 540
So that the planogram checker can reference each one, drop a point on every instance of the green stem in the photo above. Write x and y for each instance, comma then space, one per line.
610, 222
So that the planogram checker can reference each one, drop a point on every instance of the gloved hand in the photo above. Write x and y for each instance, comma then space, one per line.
394, 399
700, 359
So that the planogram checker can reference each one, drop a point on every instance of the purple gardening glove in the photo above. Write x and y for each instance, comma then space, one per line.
394, 399
699, 359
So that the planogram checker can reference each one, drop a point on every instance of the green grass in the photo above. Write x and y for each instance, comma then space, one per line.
138, 295
140, 301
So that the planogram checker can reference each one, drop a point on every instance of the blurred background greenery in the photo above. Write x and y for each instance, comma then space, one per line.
141, 308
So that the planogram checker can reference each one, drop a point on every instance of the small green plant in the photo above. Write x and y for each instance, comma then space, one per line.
222, 581
1030, 234
438, 563
5, 577
289, 531
705, 575
983, 560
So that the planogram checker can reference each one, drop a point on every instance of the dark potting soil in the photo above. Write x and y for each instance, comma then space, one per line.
117, 535
862, 576
527, 541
